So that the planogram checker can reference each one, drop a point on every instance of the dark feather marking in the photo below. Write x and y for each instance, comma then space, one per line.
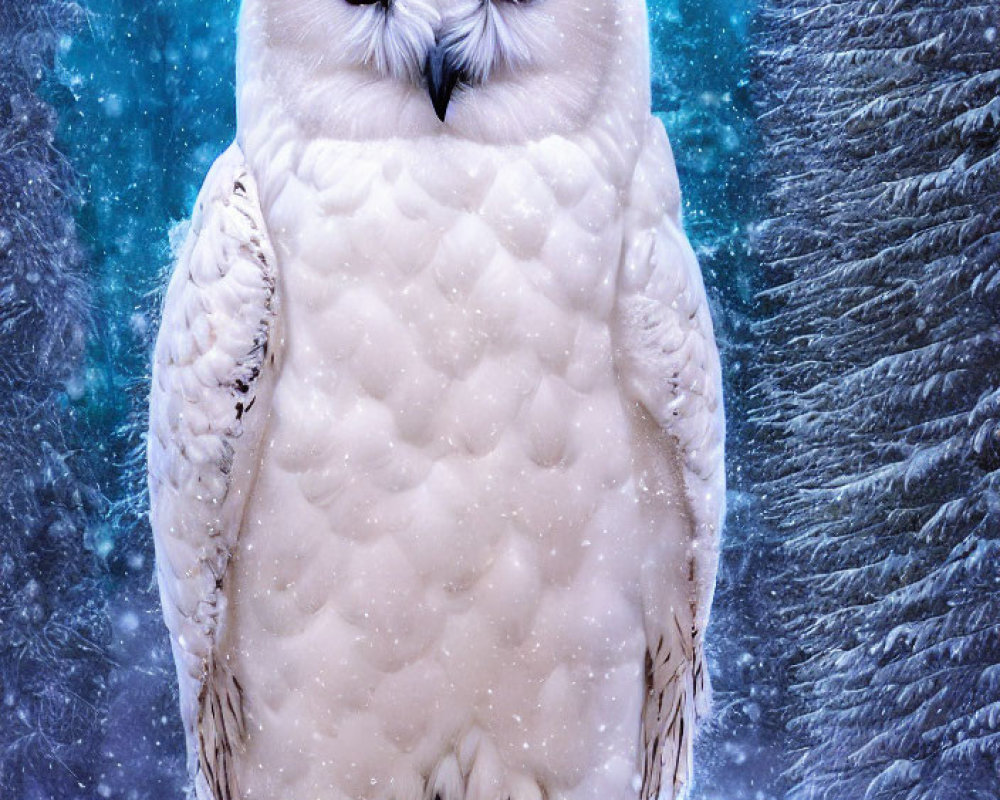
680, 747
226, 462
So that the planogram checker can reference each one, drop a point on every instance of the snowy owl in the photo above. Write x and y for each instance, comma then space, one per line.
436, 428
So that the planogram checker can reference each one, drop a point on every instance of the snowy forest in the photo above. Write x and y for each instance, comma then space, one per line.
840, 161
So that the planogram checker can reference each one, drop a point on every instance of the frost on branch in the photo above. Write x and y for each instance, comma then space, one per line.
878, 395
52, 628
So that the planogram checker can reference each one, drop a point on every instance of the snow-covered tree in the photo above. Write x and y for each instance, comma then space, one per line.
52, 631
878, 394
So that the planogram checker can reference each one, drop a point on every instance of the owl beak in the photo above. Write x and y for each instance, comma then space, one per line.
442, 76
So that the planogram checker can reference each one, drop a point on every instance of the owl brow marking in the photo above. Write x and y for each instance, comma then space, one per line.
481, 40
393, 37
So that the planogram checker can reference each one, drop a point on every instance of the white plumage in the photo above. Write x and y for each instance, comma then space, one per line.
436, 425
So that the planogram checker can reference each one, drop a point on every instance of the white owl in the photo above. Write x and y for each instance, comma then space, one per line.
436, 428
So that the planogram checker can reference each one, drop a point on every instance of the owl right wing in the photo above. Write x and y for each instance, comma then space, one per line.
213, 375
669, 367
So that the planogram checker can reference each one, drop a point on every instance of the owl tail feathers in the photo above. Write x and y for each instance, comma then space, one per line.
221, 732
677, 698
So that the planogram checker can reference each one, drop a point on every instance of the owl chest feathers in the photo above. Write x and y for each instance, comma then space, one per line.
447, 375
453, 289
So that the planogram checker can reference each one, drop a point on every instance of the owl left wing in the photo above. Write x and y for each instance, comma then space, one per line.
213, 374
669, 368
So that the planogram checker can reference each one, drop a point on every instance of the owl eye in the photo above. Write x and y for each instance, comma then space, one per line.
383, 3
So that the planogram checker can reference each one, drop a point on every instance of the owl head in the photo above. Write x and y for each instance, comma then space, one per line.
479, 69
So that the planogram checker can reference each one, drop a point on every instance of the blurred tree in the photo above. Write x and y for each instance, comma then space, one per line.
150, 105
52, 628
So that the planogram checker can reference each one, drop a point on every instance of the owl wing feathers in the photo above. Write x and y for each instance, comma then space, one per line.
669, 367
213, 373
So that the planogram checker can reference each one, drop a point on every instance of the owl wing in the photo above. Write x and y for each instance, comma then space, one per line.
669, 369
213, 374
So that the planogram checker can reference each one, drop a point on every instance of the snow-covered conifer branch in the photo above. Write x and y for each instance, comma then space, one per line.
876, 399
